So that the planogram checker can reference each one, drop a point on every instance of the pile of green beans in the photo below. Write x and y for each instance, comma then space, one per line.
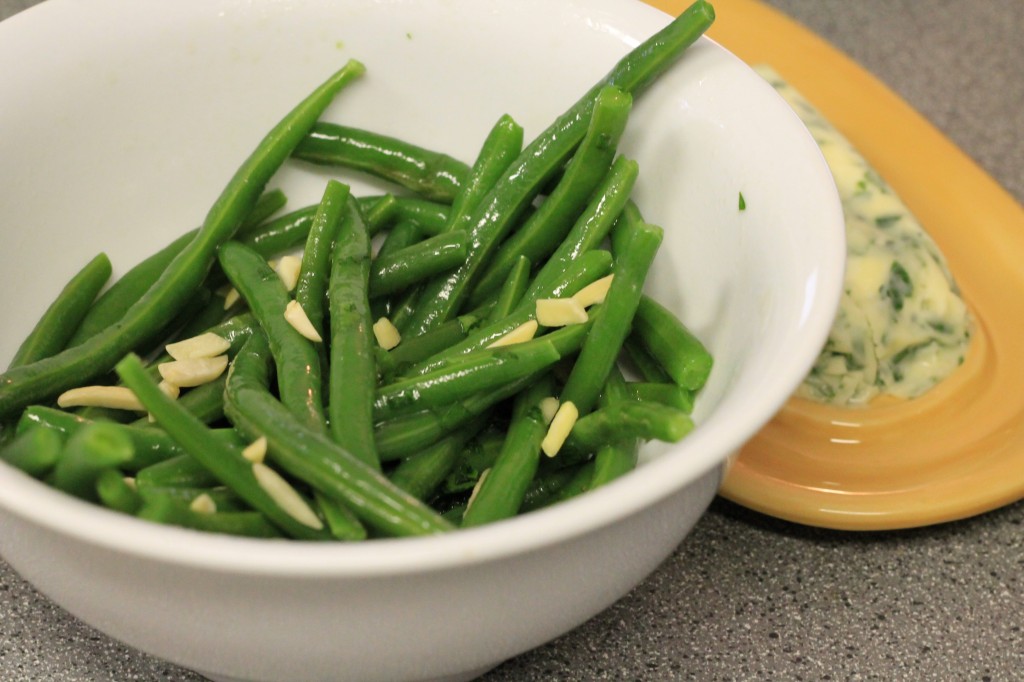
319, 430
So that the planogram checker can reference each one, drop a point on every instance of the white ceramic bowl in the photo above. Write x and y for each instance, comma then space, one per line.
121, 121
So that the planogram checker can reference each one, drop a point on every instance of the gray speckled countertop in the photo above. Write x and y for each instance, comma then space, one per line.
746, 596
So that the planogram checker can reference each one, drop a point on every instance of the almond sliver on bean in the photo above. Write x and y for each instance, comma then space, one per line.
206, 345
298, 319
288, 269
113, 397
193, 372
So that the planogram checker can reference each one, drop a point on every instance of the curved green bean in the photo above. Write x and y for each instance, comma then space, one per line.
433, 175
298, 363
177, 285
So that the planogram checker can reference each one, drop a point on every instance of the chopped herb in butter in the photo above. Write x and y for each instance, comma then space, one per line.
902, 326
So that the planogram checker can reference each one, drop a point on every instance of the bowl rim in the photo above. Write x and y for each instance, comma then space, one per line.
672, 471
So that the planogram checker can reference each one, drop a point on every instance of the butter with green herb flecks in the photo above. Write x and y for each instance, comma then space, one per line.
902, 326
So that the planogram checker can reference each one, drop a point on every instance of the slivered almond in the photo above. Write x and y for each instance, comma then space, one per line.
286, 497
387, 334
476, 488
298, 319
203, 504
231, 297
549, 408
206, 345
594, 292
559, 428
256, 451
193, 372
113, 397
520, 334
560, 312
288, 269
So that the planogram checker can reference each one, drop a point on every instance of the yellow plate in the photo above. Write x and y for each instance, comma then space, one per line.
959, 450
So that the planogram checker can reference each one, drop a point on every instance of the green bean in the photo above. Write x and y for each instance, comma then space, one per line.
676, 348
311, 288
181, 471
177, 285
669, 394
430, 174
516, 282
344, 524
479, 455
592, 226
353, 368
115, 301
399, 270
114, 492
58, 324
602, 346
430, 216
541, 234
547, 484
502, 488
318, 461
170, 511
405, 232
151, 445
223, 459
205, 402
34, 451
472, 373
405, 435
619, 455
224, 500
577, 484
378, 212
649, 421
422, 473
88, 452
402, 308
210, 315
499, 149
280, 234
581, 272
393, 362
642, 361
543, 157
298, 364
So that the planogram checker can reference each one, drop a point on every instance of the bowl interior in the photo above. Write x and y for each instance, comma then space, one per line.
123, 122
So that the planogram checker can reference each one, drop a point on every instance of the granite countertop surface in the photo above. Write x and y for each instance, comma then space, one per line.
746, 596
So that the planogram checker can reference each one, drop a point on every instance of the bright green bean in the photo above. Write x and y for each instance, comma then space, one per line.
676, 348
318, 461
223, 459
177, 285
602, 346
87, 453
35, 451
541, 234
62, 318
401, 269
501, 490
483, 370
353, 367
311, 288
500, 148
298, 363
433, 175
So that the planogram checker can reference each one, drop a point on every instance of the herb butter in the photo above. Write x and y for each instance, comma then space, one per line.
902, 326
